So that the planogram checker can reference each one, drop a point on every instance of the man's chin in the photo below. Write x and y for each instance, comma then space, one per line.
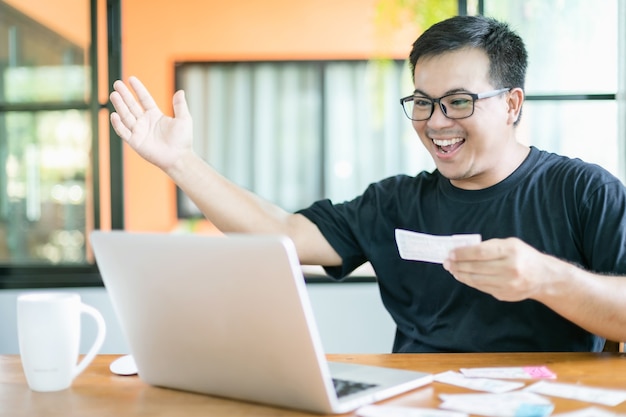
453, 173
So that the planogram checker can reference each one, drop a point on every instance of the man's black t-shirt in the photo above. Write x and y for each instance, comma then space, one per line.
563, 207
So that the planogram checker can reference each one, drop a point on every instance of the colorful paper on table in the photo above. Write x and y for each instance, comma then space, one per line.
512, 404
479, 384
589, 412
610, 397
510, 372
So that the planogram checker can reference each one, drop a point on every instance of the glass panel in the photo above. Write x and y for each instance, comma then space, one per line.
273, 128
45, 84
44, 192
286, 142
580, 129
572, 45
259, 125
368, 137
46, 179
43, 60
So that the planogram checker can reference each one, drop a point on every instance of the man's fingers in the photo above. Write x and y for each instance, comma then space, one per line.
116, 98
487, 250
127, 106
124, 115
119, 127
144, 97
181, 110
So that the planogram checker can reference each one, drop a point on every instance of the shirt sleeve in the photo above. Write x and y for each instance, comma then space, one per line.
603, 223
336, 224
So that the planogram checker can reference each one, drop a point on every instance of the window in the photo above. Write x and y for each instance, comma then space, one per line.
50, 184
295, 132
572, 81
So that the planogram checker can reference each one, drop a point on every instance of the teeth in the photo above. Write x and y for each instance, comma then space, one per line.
446, 142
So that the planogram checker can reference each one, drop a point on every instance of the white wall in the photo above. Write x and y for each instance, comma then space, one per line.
350, 318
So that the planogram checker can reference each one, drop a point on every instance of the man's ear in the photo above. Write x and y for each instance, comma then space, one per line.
514, 101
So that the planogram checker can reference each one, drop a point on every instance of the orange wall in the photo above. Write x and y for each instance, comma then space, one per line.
158, 33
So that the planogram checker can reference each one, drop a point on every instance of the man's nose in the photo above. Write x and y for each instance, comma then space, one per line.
438, 117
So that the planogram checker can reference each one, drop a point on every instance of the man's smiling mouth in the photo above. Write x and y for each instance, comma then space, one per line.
448, 145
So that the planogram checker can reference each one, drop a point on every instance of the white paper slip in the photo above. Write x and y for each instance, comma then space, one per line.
511, 404
610, 397
403, 411
478, 384
414, 246
512, 372
589, 412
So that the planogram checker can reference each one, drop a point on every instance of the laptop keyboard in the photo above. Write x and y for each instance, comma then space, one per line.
345, 387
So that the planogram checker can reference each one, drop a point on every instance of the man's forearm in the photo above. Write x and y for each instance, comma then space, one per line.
595, 302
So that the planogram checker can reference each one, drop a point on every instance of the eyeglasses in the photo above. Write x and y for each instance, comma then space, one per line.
453, 106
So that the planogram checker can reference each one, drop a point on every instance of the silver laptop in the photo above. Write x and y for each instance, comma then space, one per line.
229, 316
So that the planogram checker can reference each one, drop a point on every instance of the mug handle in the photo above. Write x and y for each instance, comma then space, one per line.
97, 344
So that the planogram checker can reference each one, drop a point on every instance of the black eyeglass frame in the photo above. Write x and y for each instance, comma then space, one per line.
474, 96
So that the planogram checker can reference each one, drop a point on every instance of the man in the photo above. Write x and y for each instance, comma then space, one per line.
548, 274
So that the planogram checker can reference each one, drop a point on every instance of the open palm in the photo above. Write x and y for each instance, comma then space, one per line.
158, 138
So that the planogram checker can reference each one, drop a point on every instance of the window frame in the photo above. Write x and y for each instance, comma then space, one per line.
582, 97
84, 275
185, 210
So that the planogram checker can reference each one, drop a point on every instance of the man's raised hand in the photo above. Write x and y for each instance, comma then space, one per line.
158, 138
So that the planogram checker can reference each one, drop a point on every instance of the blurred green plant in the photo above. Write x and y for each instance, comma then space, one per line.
391, 14
392, 17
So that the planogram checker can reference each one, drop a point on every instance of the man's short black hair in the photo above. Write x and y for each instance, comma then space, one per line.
506, 51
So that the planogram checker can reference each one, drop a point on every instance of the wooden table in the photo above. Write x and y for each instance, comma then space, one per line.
97, 392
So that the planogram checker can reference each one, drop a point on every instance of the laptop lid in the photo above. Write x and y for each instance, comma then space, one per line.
227, 316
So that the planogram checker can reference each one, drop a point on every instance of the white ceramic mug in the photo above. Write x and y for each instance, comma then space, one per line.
48, 325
